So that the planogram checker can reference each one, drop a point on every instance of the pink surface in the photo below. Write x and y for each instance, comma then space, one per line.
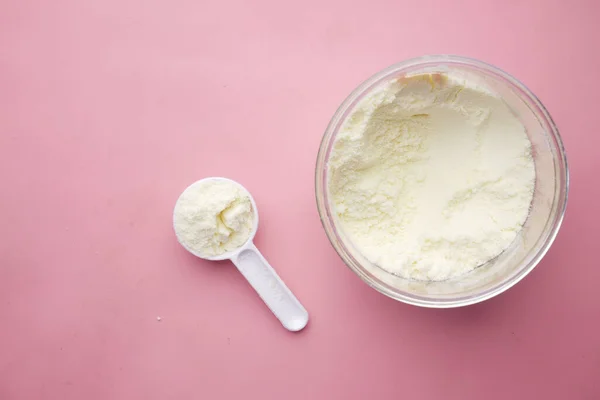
108, 109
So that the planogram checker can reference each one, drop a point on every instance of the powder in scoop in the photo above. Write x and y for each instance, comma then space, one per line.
213, 217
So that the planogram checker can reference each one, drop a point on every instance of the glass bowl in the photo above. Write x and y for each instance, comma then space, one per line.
546, 212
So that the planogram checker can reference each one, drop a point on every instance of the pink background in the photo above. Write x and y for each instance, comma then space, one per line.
109, 109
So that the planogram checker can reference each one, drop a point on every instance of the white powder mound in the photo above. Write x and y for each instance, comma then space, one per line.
431, 176
213, 217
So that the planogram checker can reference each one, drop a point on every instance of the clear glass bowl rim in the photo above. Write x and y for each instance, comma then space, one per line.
559, 205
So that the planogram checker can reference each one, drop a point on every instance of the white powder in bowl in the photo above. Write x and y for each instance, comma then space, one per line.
213, 217
431, 176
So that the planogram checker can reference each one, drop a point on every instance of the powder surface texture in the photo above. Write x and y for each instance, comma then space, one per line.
431, 176
213, 217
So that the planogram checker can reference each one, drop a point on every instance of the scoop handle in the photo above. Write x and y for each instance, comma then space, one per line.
269, 286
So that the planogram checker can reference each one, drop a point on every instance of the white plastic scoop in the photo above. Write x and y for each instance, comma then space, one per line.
261, 276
